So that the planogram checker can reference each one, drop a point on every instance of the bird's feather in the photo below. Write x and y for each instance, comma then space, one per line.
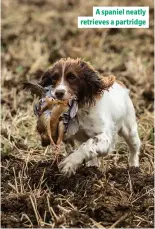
34, 89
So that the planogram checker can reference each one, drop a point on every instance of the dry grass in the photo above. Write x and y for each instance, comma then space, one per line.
34, 194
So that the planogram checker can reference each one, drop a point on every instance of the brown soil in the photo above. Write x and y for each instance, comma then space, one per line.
93, 196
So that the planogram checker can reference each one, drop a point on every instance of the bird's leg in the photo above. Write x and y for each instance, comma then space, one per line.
61, 128
49, 134
60, 138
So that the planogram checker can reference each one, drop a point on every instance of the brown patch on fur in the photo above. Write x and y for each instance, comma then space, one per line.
80, 79
108, 81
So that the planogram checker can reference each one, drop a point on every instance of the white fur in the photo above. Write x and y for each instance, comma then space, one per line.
113, 114
60, 87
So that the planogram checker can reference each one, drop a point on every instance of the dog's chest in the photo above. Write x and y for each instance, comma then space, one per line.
90, 121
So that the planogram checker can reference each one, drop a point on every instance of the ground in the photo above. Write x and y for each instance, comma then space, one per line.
35, 33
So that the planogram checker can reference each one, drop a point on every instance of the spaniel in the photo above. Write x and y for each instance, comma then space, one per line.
104, 110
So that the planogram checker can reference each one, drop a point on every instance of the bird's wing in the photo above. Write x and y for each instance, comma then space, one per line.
74, 109
34, 88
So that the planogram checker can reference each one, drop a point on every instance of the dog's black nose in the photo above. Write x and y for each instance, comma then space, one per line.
60, 93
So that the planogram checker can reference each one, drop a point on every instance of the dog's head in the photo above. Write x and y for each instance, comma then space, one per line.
73, 77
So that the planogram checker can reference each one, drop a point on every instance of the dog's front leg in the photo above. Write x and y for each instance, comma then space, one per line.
100, 145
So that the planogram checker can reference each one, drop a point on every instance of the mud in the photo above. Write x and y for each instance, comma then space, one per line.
93, 195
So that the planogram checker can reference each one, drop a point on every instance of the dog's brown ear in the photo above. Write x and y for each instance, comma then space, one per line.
90, 83
108, 81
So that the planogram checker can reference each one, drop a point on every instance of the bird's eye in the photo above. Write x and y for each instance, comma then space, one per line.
47, 89
71, 77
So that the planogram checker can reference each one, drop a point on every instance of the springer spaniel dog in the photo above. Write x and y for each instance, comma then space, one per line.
103, 112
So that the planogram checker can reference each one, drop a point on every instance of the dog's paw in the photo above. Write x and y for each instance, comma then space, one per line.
69, 165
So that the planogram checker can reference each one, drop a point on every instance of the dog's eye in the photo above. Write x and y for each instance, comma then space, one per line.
71, 77
55, 78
